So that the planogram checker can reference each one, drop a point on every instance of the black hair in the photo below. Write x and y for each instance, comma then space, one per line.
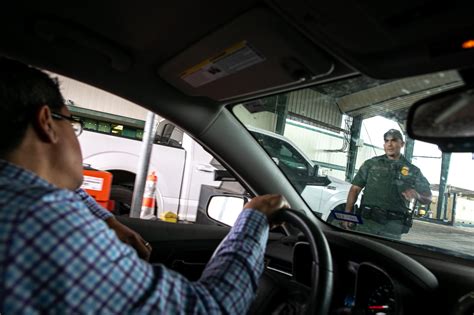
23, 90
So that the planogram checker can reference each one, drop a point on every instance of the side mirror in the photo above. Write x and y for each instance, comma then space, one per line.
319, 181
225, 209
445, 119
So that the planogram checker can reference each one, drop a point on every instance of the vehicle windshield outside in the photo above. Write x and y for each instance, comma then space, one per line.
344, 147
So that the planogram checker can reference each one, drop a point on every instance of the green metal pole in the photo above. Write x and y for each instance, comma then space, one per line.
443, 181
282, 113
409, 146
353, 149
453, 212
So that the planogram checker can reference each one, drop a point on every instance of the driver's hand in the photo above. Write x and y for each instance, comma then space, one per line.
130, 237
268, 204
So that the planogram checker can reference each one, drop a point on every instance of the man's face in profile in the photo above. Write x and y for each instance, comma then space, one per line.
69, 159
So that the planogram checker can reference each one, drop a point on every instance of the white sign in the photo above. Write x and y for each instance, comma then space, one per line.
92, 183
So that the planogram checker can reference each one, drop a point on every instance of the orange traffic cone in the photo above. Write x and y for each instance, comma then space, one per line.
148, 202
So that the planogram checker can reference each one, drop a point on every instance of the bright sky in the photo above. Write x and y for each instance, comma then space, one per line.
461, 172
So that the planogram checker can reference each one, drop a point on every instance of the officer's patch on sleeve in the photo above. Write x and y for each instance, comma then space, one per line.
405, 171
346, 216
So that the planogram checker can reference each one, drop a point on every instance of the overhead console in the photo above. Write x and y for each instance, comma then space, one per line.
257, 48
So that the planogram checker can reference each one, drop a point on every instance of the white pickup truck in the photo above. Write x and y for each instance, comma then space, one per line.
324, 193
180, 163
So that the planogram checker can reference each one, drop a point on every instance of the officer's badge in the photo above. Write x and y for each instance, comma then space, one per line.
405, 171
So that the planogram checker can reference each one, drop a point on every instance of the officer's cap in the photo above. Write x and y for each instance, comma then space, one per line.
393, 133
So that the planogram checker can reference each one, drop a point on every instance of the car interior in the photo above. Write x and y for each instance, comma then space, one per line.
191, 62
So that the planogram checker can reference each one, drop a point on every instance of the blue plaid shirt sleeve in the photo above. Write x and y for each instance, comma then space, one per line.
61, 259
93, 206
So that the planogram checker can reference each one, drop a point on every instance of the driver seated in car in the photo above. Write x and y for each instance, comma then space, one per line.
391, 182
57, 257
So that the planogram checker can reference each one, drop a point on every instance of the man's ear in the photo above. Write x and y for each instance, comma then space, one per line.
44, 126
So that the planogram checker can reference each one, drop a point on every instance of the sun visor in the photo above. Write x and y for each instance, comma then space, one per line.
253, 53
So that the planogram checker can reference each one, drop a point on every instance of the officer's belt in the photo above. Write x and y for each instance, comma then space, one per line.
373, 211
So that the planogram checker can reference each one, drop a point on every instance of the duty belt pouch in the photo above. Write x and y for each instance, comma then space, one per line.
365, 212
376, 214
407, 223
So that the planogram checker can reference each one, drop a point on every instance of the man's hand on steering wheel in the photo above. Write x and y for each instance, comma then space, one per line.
320, 293
268, 204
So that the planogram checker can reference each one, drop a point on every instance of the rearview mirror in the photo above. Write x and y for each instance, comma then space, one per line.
445, 119
225, 209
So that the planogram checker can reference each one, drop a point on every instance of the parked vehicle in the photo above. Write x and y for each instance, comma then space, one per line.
180, 163
323, 193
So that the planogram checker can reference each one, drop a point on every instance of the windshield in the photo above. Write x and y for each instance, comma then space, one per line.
344, 148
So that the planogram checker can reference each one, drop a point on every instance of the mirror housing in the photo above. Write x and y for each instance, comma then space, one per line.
225, 208
223, 176
319, 181
445, 119
314, 171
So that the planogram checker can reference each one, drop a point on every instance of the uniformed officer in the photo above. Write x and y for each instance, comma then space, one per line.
391, 182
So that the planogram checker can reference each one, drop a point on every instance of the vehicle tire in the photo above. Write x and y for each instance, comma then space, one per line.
123, 199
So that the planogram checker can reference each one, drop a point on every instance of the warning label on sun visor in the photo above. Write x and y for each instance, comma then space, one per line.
231, 60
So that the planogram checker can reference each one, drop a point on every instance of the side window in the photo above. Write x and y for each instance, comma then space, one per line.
169, 134
182, 174
289, 160
284, 152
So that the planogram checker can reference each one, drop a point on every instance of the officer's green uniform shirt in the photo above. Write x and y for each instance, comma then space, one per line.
384, 181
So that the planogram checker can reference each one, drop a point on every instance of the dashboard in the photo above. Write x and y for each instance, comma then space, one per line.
362, 284
366, 288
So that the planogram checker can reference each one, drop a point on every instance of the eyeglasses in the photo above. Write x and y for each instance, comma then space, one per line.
75, 123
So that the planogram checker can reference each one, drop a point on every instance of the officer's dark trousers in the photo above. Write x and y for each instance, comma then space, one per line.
377, 223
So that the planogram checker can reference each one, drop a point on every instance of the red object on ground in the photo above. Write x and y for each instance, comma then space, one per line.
98, 184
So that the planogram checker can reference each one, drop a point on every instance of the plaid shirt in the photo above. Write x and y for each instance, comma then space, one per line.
56, 257
93, 206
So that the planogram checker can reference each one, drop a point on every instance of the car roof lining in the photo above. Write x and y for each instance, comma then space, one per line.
155, 36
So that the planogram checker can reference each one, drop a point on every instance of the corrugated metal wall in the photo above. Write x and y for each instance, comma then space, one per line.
316, 107
86, 96
263, 120
397, 95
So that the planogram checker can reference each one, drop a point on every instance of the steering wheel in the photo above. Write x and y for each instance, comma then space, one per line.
320, 295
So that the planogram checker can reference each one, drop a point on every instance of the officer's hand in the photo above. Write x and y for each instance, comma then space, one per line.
268, 204
347, 225
410, 194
